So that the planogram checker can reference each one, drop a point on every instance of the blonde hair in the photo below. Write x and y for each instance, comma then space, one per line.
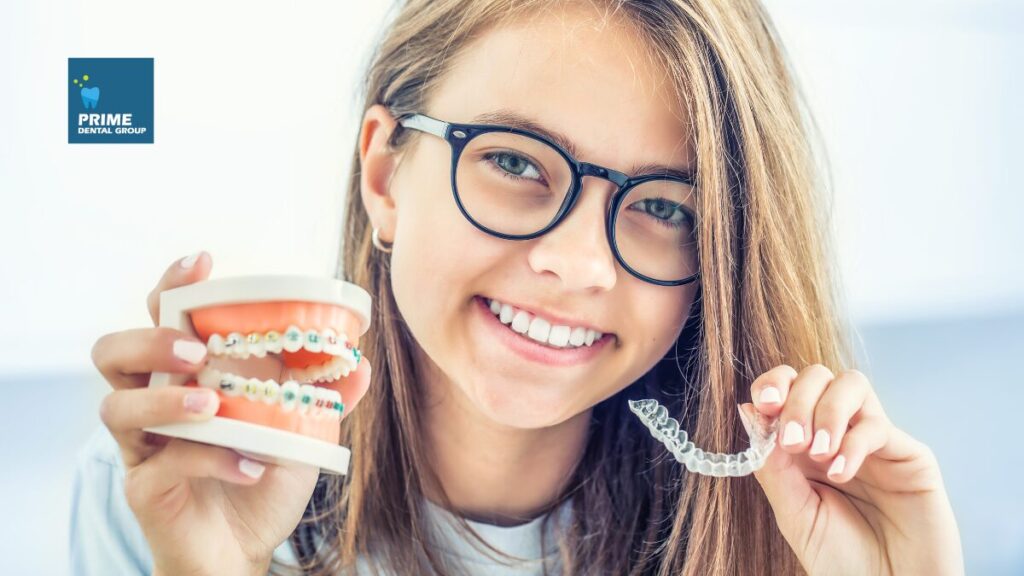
767, 297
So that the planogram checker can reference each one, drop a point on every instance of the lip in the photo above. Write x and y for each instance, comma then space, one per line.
554, 319
534, 351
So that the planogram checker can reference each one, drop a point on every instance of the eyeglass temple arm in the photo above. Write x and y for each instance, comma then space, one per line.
426, 124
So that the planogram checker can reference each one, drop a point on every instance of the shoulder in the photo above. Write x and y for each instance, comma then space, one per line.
105, 538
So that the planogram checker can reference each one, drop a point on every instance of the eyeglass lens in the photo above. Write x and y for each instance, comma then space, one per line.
516, 185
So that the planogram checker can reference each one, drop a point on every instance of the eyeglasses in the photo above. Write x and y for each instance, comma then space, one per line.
517, 185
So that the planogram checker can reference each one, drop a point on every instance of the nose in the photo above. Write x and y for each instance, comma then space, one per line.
577, 249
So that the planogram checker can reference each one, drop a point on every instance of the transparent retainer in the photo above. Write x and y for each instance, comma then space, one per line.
667, 431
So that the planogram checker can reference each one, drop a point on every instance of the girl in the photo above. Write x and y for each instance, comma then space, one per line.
631, 182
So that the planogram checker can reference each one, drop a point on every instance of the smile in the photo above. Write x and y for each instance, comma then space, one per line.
531, 337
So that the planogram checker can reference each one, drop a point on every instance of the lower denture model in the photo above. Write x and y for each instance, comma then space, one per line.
762, 432
282, 356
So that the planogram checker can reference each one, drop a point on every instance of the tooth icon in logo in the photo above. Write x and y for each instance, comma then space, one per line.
90, 97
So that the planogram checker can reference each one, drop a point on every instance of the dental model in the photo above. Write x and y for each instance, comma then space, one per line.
281, 355
667, 431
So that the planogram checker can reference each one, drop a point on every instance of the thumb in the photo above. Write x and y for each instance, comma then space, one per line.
789, 492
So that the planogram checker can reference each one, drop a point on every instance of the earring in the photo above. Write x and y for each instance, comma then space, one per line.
380, 245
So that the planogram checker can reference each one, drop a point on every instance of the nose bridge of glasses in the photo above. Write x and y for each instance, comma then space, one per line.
588, 169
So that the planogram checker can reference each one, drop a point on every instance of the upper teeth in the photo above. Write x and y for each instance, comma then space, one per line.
540, 329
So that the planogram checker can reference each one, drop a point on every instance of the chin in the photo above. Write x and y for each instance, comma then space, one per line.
517, 405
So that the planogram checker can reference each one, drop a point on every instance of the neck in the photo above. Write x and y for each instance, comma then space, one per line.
494, 473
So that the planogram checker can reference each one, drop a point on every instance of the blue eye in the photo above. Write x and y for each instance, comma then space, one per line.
514, 166
666, 212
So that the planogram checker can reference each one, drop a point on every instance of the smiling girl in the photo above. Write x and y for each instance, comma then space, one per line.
557, 207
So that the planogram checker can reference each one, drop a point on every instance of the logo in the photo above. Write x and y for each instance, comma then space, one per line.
124, 114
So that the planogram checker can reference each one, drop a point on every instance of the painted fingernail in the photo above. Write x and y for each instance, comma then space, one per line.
189, 261
199, 401
190, 351
251, 468
794, 434
770, 395
821, 442
838, 465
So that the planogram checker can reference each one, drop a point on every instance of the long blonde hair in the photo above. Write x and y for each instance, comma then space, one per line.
767, 297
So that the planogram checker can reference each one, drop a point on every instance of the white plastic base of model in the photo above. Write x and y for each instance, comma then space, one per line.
263, 442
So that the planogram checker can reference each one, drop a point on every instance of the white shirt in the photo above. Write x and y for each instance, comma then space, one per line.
107, 539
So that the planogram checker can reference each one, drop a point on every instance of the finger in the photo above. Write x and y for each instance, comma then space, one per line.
187, 270
842, 400
770, 389
149, 485
789, 493
126, 358
866, 437
134, 409
795, 421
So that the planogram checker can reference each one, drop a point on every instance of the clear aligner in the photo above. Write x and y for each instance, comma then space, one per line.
667, 431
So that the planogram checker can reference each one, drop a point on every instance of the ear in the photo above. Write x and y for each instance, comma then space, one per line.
377, 165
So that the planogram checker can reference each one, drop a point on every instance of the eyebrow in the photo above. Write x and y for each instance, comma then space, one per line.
516, 120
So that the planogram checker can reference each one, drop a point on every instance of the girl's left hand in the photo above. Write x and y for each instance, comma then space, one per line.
852, 494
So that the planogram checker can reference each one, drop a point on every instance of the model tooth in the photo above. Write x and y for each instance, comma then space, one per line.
230, 385
289, 395
272, 342
255, 345
234, 345
312, 342
253, 388
293, 339
577, 336
271, 390
209, 378
331, 344
598, 335
590, 337
307, 395
215, 345
320, 400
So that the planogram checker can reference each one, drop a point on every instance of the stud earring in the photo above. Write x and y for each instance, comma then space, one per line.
380, 245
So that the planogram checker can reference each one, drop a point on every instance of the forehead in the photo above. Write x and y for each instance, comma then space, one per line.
576, 73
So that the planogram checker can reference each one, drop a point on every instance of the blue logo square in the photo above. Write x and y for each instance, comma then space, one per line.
110, 100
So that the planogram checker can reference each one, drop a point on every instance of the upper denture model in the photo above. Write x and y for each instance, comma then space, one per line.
282, 356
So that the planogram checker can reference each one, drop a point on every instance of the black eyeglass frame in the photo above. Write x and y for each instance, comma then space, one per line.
459, 135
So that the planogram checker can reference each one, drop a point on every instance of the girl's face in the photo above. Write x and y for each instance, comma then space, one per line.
590, 81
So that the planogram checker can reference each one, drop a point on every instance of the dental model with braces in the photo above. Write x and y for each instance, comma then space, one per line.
283, 359
667, 431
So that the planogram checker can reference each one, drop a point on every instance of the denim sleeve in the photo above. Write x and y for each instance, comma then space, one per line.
105, 536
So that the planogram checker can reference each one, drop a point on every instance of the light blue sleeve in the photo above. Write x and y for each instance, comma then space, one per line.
105, 536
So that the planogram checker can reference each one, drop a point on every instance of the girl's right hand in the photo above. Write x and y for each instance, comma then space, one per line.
204, 509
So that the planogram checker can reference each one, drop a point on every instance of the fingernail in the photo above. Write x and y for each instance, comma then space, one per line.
251, 468
794, 434
838, 465
770, 395
189, 261
821, 442
199, 401
190, 351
